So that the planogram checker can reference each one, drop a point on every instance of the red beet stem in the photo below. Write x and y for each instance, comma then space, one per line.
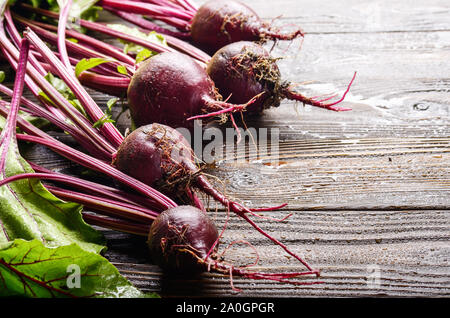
91, 108
77, 134
16, 37
172, 38
112, 85
8, 132
107, 206
74, 115
51, 37
89, 189
104, 29
117, 224
97, 188
145, 24
148, 9
98, 165
97, 45
175, 17
62, 23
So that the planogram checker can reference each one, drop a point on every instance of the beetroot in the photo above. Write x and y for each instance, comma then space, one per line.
218, 23
245, 69
180, 238
169, 88
184, 240
158, 156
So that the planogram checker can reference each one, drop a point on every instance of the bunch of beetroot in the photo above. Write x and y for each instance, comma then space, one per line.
242, 73
154, 165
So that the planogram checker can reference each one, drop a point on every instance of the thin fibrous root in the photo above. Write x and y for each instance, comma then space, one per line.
290, 94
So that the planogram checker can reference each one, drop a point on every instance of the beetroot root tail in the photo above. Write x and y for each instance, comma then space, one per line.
291, 94
219, 107
242, 213
204, 185
277, 35
286, 278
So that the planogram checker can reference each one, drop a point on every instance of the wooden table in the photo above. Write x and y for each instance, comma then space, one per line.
368, 189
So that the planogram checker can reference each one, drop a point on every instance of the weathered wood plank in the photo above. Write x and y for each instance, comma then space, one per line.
350, 182
396, 81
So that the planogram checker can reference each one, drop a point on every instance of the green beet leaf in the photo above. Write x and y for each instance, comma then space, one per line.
87, 64
46, 248
84, 9
29, 211
30, 269
141, 52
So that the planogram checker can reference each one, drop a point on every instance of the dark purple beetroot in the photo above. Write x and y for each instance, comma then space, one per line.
158, 156
161, 157
181, 238
169, 88
245, 69
218, 23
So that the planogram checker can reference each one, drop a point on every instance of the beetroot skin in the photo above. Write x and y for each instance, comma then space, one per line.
218, 23
181, 238
156, 155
